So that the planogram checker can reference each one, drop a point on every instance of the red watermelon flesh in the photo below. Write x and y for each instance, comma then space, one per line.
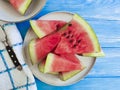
69, 74
71, 57
56, 63
20, 5
39, 48
45, 27
77, 37
41, 68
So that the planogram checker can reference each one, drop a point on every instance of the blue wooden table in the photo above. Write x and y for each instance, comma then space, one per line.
104, 17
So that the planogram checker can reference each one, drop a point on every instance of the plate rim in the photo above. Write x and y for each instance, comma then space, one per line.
28, 17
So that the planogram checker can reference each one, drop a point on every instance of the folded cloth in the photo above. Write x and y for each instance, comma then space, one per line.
10, 77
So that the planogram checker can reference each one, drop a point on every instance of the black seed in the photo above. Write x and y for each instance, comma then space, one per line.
67, 36
64, 34
69, 32
78, 41
57, 26
74, 46
70, 24
71, 41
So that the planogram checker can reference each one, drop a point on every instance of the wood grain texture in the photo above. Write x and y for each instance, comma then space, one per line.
106, 9
108, 66
86, 84
104, 17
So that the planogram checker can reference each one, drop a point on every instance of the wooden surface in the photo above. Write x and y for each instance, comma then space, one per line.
104, 17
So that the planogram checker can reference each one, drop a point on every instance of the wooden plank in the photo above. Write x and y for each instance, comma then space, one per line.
108, 66
87, 8
108, 31
86, 84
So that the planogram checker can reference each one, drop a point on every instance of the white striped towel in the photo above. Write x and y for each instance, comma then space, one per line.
10, 77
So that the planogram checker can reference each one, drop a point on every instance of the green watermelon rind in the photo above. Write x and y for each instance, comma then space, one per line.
32, 52
66, 76
37, 29
70, 74
99, 54
90, 32
41, 67
49, 60
23, 8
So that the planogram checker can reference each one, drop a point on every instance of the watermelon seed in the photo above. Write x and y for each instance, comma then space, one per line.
64, 34
71, 41
78, 41
69, 32
74, 46
57, 26
67, 36
70, 24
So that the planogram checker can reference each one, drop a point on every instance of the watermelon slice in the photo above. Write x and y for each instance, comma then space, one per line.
67, 75
20, 5
78, 37
41, 68
45, 27
56, 63
39, 48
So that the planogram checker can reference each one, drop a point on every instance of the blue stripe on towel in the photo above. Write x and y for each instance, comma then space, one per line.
1, 72
11, 79
27, 85
17, 44
14, 45
7, 24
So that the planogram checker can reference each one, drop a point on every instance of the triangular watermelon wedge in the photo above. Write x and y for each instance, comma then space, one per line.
56, 63
67, 75
78, 37
39, 48
20, 5
41, 68
45, 27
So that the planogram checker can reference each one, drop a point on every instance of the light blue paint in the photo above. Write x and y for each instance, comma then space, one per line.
104, 17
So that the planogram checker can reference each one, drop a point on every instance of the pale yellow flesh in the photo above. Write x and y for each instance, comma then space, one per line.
24, 6
38, 31
67, 75
99, 54
32, 52
41, 69
49, 60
